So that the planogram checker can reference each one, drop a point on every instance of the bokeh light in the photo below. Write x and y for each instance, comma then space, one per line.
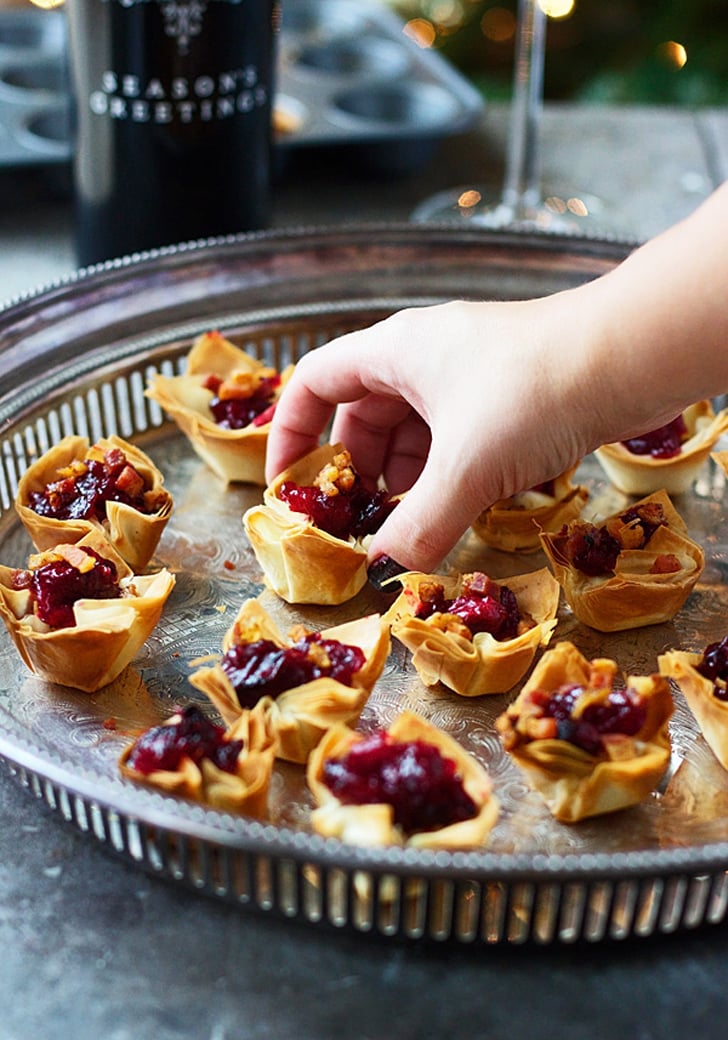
673, 53
498, 24
421, 31
557, 9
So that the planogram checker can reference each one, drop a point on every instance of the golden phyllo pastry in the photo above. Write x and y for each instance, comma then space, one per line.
78, 614
703, 680
513, 524
311, 533
471, 633
192, 757
635, 568
111, 486
300, 687
411, 784
668, 458
721, 459
223, 404
587, 743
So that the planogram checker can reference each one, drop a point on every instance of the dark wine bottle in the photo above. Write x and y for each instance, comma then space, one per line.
172, 117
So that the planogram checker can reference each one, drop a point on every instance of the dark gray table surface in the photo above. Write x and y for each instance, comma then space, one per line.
92, 948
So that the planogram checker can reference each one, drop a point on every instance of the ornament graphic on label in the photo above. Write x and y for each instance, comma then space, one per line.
183, 20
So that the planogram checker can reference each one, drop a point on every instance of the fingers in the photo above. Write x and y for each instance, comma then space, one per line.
319, 383
355, 374
428, 522
386, 440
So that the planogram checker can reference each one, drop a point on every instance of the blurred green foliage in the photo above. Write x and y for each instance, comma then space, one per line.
605, 51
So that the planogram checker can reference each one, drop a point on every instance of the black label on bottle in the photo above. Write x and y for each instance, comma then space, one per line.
172, 105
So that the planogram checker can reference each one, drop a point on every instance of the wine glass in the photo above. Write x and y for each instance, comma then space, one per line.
523, 203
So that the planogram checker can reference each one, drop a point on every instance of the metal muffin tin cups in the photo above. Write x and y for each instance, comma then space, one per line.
34, 110
348, 79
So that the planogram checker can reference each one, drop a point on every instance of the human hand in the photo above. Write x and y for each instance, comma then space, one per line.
454, 404
461, 404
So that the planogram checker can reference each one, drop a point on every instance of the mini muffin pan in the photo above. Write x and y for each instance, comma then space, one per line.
349, 78
34, 110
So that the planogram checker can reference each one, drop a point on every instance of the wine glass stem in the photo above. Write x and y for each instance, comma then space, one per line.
522, 179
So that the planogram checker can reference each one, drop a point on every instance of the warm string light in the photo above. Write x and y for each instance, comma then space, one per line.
673, 53
437, 19
441, 18
557, 9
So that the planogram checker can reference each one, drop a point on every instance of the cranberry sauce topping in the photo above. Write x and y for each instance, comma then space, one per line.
621, 712
84, 492
337, 502
420, 784
714, 666
594, 549
236, 408
191, 735
354, 514
663, 443
483, 605
264, 669
55, 586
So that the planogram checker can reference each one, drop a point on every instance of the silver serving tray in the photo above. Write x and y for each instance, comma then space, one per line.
74, 358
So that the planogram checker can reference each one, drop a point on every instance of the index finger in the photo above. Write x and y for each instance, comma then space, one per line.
320, 381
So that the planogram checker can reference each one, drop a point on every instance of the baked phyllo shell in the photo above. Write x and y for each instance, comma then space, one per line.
721, 459
237, 456
245, 790
514, 524
134, 535
633, 596
297, 718
371, 825
108, 632
576, 784
483, 664
710, 712
301, 562
642, 474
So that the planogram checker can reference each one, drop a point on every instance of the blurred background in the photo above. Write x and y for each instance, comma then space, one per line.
639, 51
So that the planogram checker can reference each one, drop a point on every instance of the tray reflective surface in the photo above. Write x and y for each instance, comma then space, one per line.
75, 360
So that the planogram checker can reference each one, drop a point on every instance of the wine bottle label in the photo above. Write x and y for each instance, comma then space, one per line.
182, 18
128, 96
172, 127
203, 96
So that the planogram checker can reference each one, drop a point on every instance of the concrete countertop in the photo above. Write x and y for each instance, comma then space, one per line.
93, 948
648, 166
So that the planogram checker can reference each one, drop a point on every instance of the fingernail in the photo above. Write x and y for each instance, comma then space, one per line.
381, 573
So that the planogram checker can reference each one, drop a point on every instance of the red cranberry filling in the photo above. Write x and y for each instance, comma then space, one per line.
354, 513
55, 587
84, 495
235, 413
193, 736
483, 606
420, 784
663, 443
714, 666
594, 549
264, 669
623, 712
